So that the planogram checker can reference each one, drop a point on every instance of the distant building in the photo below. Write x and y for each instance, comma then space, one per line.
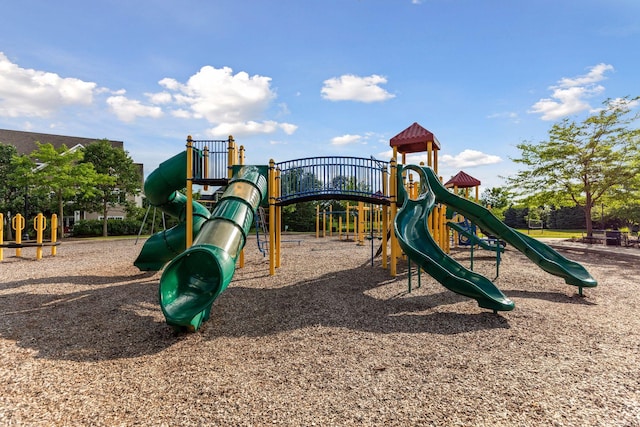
25, 143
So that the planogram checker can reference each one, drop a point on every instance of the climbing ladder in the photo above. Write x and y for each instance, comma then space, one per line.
262, 227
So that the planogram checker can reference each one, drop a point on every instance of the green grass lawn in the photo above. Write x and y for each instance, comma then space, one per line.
562, 234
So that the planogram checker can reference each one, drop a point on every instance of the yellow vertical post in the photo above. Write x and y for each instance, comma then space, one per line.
385, 217
231, 157
340, 227
278, 221
330, 221
361, 223
39, 224
272, 214
189, 178
1, 236
324, 223
393, 197
435, 161
241, 160
317, 221
477, 198
430, 154
17, 223
348, 225
54, 234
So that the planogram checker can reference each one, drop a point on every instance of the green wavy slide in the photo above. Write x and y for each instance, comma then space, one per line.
417, 242
541, 254
411, 228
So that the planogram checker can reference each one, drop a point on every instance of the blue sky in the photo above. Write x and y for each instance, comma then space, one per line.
300, 78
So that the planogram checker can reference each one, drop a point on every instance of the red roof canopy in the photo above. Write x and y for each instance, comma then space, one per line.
414, 139
462, 180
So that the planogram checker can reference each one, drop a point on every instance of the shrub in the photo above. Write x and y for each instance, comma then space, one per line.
115, 227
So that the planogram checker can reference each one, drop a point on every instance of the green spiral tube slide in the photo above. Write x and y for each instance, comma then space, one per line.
194, 279
161, 189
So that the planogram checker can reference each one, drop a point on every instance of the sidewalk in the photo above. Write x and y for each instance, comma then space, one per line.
568, 245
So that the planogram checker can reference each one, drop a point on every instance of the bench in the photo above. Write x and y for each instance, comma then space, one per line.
28, 244
600, 237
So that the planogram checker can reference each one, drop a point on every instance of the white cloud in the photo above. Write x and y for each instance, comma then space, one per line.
240, 129
32, 93
508, 115
128, 110
354, 88
219, 96
346, 139
469, 158
570, 94
159, 98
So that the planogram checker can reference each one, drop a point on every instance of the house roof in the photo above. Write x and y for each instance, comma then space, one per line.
462, 180
25, 142
414, 139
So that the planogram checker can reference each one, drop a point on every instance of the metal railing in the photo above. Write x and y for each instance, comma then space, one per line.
211, 159
331, 177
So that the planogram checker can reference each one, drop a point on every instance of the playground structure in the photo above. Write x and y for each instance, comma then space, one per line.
203, 249
366, 221
18, 224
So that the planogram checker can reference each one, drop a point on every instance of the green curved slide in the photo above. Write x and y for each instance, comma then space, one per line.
161, 190
541, 254
195, 277
410, 227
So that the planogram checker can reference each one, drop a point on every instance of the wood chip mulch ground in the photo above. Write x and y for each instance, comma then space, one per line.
330, 340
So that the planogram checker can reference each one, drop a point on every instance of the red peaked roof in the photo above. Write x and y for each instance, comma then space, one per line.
414, 139
462, 180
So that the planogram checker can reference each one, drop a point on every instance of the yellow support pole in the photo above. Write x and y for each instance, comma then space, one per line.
430, 154
324, 223
189, 177
230, 157
17, 223
435, 161
317, 221
361, 223
393, 197
348, 223
330, 221
278, 221
39, 224
272, 214
54, 234
385, 217
340, 228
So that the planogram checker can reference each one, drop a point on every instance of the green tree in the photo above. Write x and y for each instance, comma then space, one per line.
8, 189
496, 197
57, 172
582, 162
118, 176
